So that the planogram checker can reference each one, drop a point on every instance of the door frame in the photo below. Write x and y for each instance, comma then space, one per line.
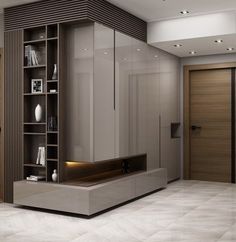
186, 107
2, 166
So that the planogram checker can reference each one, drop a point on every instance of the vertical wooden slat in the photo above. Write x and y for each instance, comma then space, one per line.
233, 125
13, 111
1, 126
61, 103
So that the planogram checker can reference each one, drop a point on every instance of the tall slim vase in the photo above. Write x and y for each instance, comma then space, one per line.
38, 113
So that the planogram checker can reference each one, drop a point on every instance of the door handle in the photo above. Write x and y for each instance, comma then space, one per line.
194, 127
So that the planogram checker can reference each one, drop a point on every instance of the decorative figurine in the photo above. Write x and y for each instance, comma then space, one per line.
54, 76
54, 176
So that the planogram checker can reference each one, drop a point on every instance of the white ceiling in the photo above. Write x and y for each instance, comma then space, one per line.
152, 10
162, 10
202, 46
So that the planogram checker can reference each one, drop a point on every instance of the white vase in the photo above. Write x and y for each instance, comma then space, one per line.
54, 76
54, 176
38, 113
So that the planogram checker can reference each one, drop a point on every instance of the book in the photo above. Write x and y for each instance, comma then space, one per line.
41, 157
31, 56
38, 158
35, 178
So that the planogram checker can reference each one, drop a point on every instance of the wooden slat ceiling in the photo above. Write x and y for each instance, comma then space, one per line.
61, 11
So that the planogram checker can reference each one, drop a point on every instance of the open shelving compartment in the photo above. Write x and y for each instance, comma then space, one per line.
44, 41
31, 144
35, 34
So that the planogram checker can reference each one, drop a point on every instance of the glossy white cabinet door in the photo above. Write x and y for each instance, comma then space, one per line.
79, 92
170, 113
103, 94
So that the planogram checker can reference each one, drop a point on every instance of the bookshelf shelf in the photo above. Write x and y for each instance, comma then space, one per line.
52, 38
34, 41
29, 133
34, 94
34, 123
34, 165
35, 66
52, 160
52, 93
52, 81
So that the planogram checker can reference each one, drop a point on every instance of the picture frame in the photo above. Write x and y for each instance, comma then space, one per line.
37, 86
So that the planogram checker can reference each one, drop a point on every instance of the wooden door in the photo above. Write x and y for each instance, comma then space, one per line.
210, 125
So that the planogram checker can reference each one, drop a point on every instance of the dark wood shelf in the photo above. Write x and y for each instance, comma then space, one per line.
52, 93
52, 145
52, 132
34, 165
34, 41
52, 159
52, 38
29, 133
34, 123
52, 80
34, 94
36, 66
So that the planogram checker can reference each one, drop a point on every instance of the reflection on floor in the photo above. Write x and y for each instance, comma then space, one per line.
185, 211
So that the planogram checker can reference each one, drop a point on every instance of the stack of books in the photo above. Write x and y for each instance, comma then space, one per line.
31, 56
35, 178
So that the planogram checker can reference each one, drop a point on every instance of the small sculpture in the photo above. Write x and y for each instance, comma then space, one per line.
54, 76
54, 176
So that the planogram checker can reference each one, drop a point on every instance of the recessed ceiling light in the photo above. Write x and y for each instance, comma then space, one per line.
184, 12
192, 52
218, 41
85, 49
230, 49
178, 45
105, 53
155, 56
138, 49
125, 59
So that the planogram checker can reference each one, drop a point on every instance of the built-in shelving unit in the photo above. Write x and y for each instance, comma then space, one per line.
44, 41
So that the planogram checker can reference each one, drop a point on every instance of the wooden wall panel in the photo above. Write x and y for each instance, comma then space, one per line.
44, 12
13, 111
116, 18
1, 126
60, 11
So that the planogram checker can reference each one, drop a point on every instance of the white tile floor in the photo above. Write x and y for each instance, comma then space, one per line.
186, 211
